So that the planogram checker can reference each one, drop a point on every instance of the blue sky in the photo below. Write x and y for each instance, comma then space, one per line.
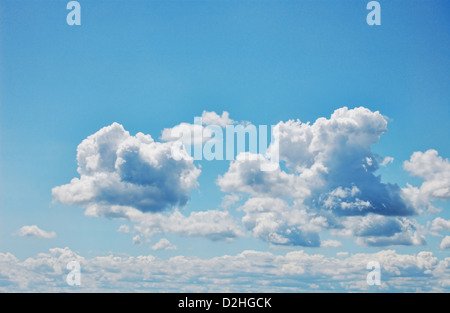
151, 65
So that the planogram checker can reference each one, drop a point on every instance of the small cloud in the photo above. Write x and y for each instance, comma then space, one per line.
445, 243
229, 200
212, 118
331, 244
387, 160
137, 240
163, 244
439, 224
34, 231
124, 229
435, 171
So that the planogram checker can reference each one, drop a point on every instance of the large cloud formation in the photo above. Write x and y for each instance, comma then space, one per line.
329, 177
327, 182
117, 169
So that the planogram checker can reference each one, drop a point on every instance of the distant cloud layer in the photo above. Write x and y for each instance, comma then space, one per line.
34, 231
249, 271
327, 183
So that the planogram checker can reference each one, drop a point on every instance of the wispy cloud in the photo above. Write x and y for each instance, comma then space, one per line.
35, 231
163, 244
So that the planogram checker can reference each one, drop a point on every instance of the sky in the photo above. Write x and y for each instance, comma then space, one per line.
87, 174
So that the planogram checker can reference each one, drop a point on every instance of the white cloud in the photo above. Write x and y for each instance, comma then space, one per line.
249, 271
438, 225
196, 134
387, 160
212, 118
188, 134
229, 200
118, 171
274, 221
331, 243
330, 173
245, 175
321, 158
163, 244
124, 229
445, 243
34, 231
327, 182
376, 230
137, 240
435, 171
212, 224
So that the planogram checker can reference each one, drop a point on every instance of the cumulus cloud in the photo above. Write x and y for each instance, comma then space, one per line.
245, 175
124, 229
445, 243
324, 159
198, 133
34, 231
329, 172
327, 182
118, 171
229, 200
274, 221
163, 244
438, 225
387, 160
137, 240
188, 134
435, 171
212, 224
212, 118
331, 244
376, 230
248, 271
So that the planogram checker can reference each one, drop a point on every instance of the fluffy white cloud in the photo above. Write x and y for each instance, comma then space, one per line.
331, 244
229, 200
435, 171
34, 231
199, 132
188, 134
245, 175
212, 118
326, 182
137, 240
377, 230
445, 243
330, 173
274, 221
249, 271
118, 171
212, 224
324, 159
124, 229
438, 225
163, 244
387, 160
